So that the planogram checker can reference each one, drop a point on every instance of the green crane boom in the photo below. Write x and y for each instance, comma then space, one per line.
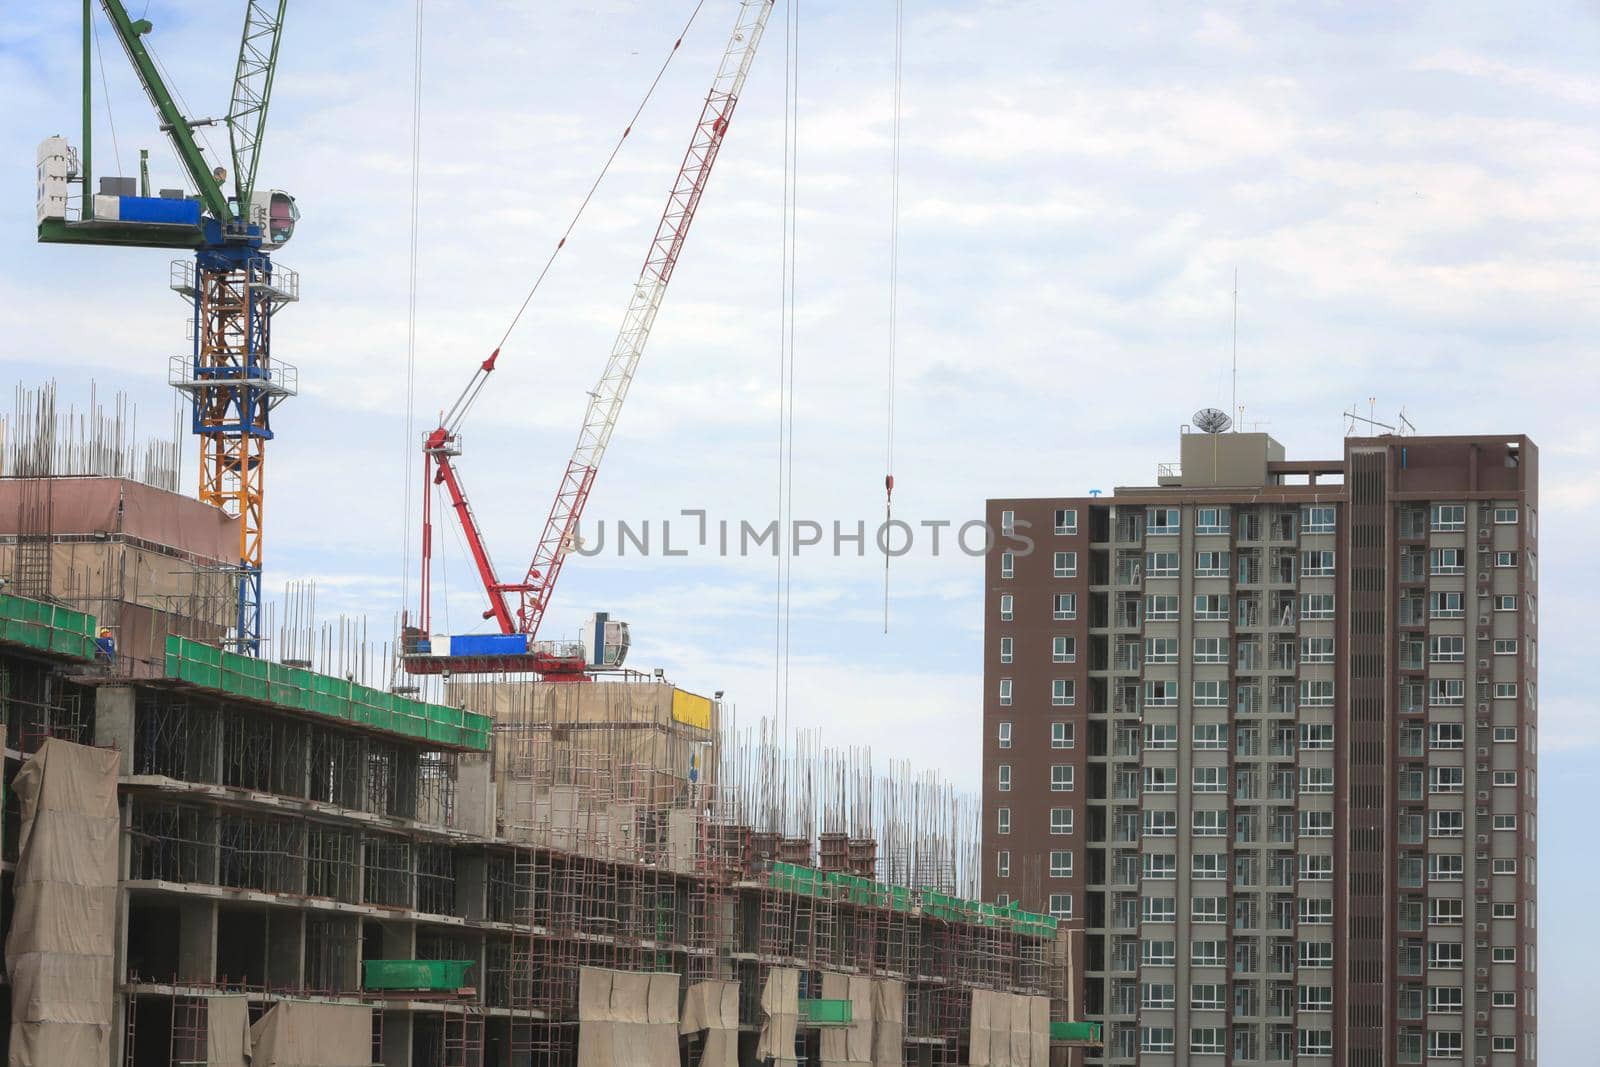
129, 32
252, 89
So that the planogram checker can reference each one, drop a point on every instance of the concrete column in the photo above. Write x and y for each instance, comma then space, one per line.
472, 885
197, 941
396, 1039
474, 809
114, 723
285, 948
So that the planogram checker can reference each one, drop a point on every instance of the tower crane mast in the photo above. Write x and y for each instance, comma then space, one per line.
560, 531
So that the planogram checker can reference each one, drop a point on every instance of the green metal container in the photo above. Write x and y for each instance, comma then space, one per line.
1082, 1033
420, 975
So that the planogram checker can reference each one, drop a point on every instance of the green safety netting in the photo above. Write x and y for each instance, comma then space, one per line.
854, 889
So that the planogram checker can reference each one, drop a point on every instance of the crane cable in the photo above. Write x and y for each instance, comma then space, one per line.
894, 288
539, 280
411, 308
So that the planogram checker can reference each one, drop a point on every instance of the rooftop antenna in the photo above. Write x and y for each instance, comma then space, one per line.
1210, 420
1406, 425
1353, 416
1233, 404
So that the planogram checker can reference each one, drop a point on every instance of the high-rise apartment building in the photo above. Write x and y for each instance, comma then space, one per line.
1266, 731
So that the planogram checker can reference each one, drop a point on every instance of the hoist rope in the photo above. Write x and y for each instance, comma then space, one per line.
785, 577
894, 292
411, 306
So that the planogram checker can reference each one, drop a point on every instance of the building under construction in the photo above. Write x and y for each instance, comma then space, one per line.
210, 857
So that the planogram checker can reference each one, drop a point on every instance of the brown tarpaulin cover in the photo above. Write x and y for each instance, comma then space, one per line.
780, 1004
848, 1046
888, 1023
714, 1007
626, 1018
306, 1033
1008, 1030
63, 926
227, 1032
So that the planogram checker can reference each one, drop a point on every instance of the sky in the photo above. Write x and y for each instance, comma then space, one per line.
1406, 193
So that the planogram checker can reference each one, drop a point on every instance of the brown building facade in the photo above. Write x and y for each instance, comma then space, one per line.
1267, 731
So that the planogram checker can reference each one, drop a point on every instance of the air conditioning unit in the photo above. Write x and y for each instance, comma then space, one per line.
1483, 794
1483, 928
1483, 707
1483, 839
1483, 857
1482, 1031
1483, 620
1483, 883
1483, 972
1483, 752
1483, 533
1483, 942
1483, 664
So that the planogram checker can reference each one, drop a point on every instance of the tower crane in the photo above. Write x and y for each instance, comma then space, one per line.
517, 608
231, 283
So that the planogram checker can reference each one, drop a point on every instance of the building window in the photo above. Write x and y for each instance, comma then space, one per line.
1505, 690
1317, 563
1065, 606
1316, 735
1206, 1039
1505, 602
1444, 955
1008, 521
1445, 649
1061, 778
1317, 519
1063, 693
1316, 779
1448, 518
1066, 521
1162, 649
1062, 735
1208, 909
1445, 735
1316, 997
1505, 646
1210, 649
1003, 734
1444, 1044
1315, 868
1505, 822
1160, 735
1160, 522
1160, 909
1447, 561
1006, 602
1002, 863
1444, 780
1444, 911
1161, 564
1161, 867
1003, 778
1008, 564
1505, 516
1505, 866
1315, 1042
1504, 911
1060, 863
1209, 735
1316, 953
1316, 824
1316, 694
1209, 822
1505, 777
1316, 606
1211, 694
1007, 646
1444, 606
1505, 559
1003, 820
1504, 734
1066, 564
1156, 995
1211, 607
1160, 694
1155, 1038
1063, 649
1060, 821
1162, 608
1160, 779
1443, 867
1316, 650
1061, 905
1442, 823
1212, 520
1210, 779
1316, 911
1446, 691
1206, 996
1504, 1043
1160, 823
1208, 867
1005, 692
1505, 999
1213, 564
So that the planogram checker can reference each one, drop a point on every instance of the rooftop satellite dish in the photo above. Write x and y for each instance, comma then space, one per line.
1211, 420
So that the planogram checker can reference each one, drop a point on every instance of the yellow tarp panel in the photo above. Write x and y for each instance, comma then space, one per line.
691, 709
